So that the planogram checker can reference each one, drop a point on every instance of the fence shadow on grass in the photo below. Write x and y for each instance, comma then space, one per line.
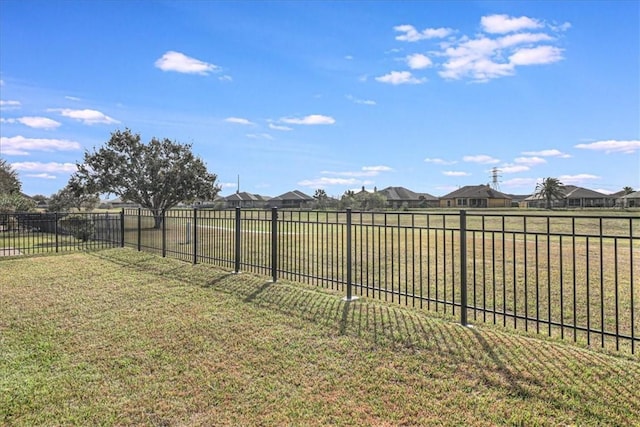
553, 373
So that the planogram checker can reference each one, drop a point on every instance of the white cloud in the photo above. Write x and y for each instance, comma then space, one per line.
9, 105
413, 35
438, 161
225, 78
455, 173
418, 61
536, 55
501, 24
41, 176
86, 116
72, 98
51, 167
519, 182
508, 168
481, 158
181, 63
361, 101
348, 57
547, 153
521, 38
279, 127
560, 27
500, 51
399, 78
259, 136
531, 161
577, 179
20, 146
34, 122
313, 119
367, 171
377, 168
325, 181
229, 185
612, 146
238, 120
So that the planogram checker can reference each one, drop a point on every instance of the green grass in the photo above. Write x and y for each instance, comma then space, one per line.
125, 338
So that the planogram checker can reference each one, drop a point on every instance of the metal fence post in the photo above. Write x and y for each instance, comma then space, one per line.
274, 244
349, 296
139, 229
463, 268
164, 234
195, 235
55, 227
122, 228
237, 251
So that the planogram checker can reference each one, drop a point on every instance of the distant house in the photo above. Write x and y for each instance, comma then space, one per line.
572, 197
631, 200
398, 197
475, 196
245, 200
118, 203
291, 200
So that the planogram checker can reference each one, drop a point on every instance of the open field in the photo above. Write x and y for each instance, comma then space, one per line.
120, 337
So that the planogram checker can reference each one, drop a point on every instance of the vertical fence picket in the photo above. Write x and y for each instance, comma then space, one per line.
463, 268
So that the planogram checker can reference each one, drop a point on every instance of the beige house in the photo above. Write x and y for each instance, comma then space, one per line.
475, 196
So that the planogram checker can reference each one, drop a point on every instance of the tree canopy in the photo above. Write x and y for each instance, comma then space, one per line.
157, 175
67, 199
549, 189
11, 198
363, 200
9, 181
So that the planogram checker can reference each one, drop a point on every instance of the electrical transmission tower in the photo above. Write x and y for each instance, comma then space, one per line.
495, 176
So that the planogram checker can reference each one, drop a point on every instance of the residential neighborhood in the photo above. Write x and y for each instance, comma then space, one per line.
401, 198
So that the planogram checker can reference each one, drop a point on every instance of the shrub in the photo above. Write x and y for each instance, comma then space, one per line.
81, 227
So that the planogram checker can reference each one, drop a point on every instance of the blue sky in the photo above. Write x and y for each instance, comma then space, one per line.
430, 96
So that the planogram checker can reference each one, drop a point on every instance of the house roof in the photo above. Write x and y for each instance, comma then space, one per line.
401, 193
476, 192
634, 195
294, 195
573, 192
244, 196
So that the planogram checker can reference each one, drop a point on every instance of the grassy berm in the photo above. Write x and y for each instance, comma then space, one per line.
125, 338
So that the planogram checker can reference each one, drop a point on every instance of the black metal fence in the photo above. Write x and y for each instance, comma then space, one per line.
567, 275
34, 233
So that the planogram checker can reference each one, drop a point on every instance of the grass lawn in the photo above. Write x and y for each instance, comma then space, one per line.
119, 337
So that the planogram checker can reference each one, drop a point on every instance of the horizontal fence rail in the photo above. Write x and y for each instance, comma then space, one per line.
571, 276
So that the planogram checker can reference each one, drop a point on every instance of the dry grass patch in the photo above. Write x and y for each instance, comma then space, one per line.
126, 338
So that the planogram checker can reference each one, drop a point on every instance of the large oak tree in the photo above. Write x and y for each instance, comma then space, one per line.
157, 175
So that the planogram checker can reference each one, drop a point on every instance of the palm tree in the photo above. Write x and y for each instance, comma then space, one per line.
627, 190
549, 189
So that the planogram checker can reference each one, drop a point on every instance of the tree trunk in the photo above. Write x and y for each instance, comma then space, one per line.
158, 216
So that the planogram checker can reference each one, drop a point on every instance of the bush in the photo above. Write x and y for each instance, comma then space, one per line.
81, 227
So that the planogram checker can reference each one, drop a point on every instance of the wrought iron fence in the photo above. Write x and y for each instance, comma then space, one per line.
35, 233
566, 275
